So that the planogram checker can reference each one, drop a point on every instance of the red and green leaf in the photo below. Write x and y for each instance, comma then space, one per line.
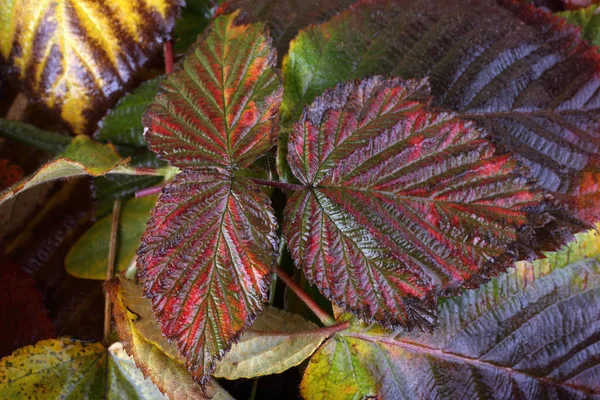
403, 204
530, 333
520, 73
205, 262
220, 108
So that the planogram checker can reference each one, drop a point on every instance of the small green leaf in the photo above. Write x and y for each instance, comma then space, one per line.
51, 142
61, 368
277, 341
88, 258
588, 19
123, 124
530, 333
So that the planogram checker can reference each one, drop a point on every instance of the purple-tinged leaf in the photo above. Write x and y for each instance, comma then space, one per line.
205, 263
403, 204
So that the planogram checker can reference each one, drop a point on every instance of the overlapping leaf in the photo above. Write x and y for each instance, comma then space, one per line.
88, 258
286, 17
220, 108
78, 55
152, 353
530, 333
205, 262
402, 203
519, 72
588, 19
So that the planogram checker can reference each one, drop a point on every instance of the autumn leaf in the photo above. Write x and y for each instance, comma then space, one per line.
206, 115
66, 368
403, 204
156, 358
520, 73
518, 336
77, 56
207, 254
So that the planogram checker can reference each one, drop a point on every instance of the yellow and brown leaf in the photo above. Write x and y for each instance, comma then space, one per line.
76, 56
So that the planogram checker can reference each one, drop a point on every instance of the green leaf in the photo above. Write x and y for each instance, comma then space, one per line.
123, 124
530, 333
61, 368
88, 258
195, 17
517, 71
51, 142
142, 339
82, 157
277, 341
402, 204
588, 19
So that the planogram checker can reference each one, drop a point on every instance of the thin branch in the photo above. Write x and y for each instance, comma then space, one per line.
327, 331
325, 318
168, 49
112, 250
148, 191
280, 185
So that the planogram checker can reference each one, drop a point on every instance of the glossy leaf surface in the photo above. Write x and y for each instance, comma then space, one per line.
530, 333
403, 204
205, 261
219, 110
78, 56
520, 73
285, 18
88, 258
156, 357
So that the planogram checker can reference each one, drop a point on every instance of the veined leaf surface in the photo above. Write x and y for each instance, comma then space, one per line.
530, 333
522, 74
285, 18
403, 204
205, 261
152, 353
78, 55
220, 109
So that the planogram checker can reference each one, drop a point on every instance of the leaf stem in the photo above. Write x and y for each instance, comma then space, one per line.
148, 191
325, 318
280, 185
112, 250
168, 50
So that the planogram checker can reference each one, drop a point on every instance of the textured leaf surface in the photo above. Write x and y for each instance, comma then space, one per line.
520, 73
88, 258
77, 56
588, 20
402, 204
530, 333
60, 368
220, 108
286, 17
123, 124
82, 157
205, 262
277, 341
142, 339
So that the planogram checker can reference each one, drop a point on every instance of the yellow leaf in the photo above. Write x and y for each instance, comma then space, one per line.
78, 55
